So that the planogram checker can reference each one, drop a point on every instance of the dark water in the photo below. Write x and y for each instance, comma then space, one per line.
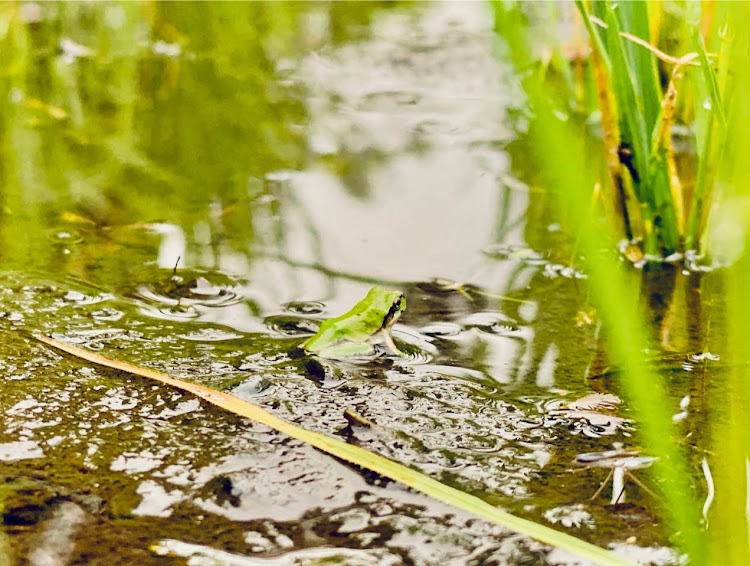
284, 158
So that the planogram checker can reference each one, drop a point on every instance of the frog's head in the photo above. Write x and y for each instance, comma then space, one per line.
391, 303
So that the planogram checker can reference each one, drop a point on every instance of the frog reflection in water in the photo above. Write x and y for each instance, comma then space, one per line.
356, 332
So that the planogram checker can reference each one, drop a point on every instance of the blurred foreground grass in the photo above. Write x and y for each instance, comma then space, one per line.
645, 199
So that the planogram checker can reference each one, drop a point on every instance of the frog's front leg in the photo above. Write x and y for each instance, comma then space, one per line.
384, 337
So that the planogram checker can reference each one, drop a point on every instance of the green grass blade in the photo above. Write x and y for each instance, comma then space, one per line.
594, 35
628, 102
660, 183
634, 18
710, 77
666, 197
633, 126
360, 457
728, 519
710, 142
564, 166
618, 307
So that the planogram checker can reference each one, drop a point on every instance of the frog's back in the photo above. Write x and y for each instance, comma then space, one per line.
331, 333
378, 310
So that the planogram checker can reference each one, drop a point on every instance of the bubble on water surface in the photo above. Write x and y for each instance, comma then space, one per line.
83, 299
553, 270
701, 356
587, 415
65, 237
657, 555
93, 339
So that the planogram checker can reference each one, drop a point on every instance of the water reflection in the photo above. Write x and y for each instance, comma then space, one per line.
195, 194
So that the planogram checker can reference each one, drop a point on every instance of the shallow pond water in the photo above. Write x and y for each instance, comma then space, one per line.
194, 187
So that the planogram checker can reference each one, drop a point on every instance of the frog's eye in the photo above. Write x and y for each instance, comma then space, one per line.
396, 308
399, 304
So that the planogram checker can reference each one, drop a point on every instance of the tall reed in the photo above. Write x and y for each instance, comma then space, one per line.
642, 92
653, 203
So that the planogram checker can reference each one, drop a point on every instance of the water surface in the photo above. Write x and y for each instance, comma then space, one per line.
193, 187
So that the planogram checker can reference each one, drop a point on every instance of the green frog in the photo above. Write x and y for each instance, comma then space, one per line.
356, 332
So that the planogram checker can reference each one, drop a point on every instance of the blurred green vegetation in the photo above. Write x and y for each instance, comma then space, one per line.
712, 104
118, 113
649, 83
127, 112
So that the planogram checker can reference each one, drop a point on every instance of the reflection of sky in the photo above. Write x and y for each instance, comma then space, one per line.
429, 217
405, 182
417, 112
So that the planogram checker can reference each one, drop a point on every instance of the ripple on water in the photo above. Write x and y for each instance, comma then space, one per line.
174, 312
190, 287
83, 299
65, 237
107, 314
431, 373
305, 307
441, 330
285, 325
414, 347
493, 322
413, 357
